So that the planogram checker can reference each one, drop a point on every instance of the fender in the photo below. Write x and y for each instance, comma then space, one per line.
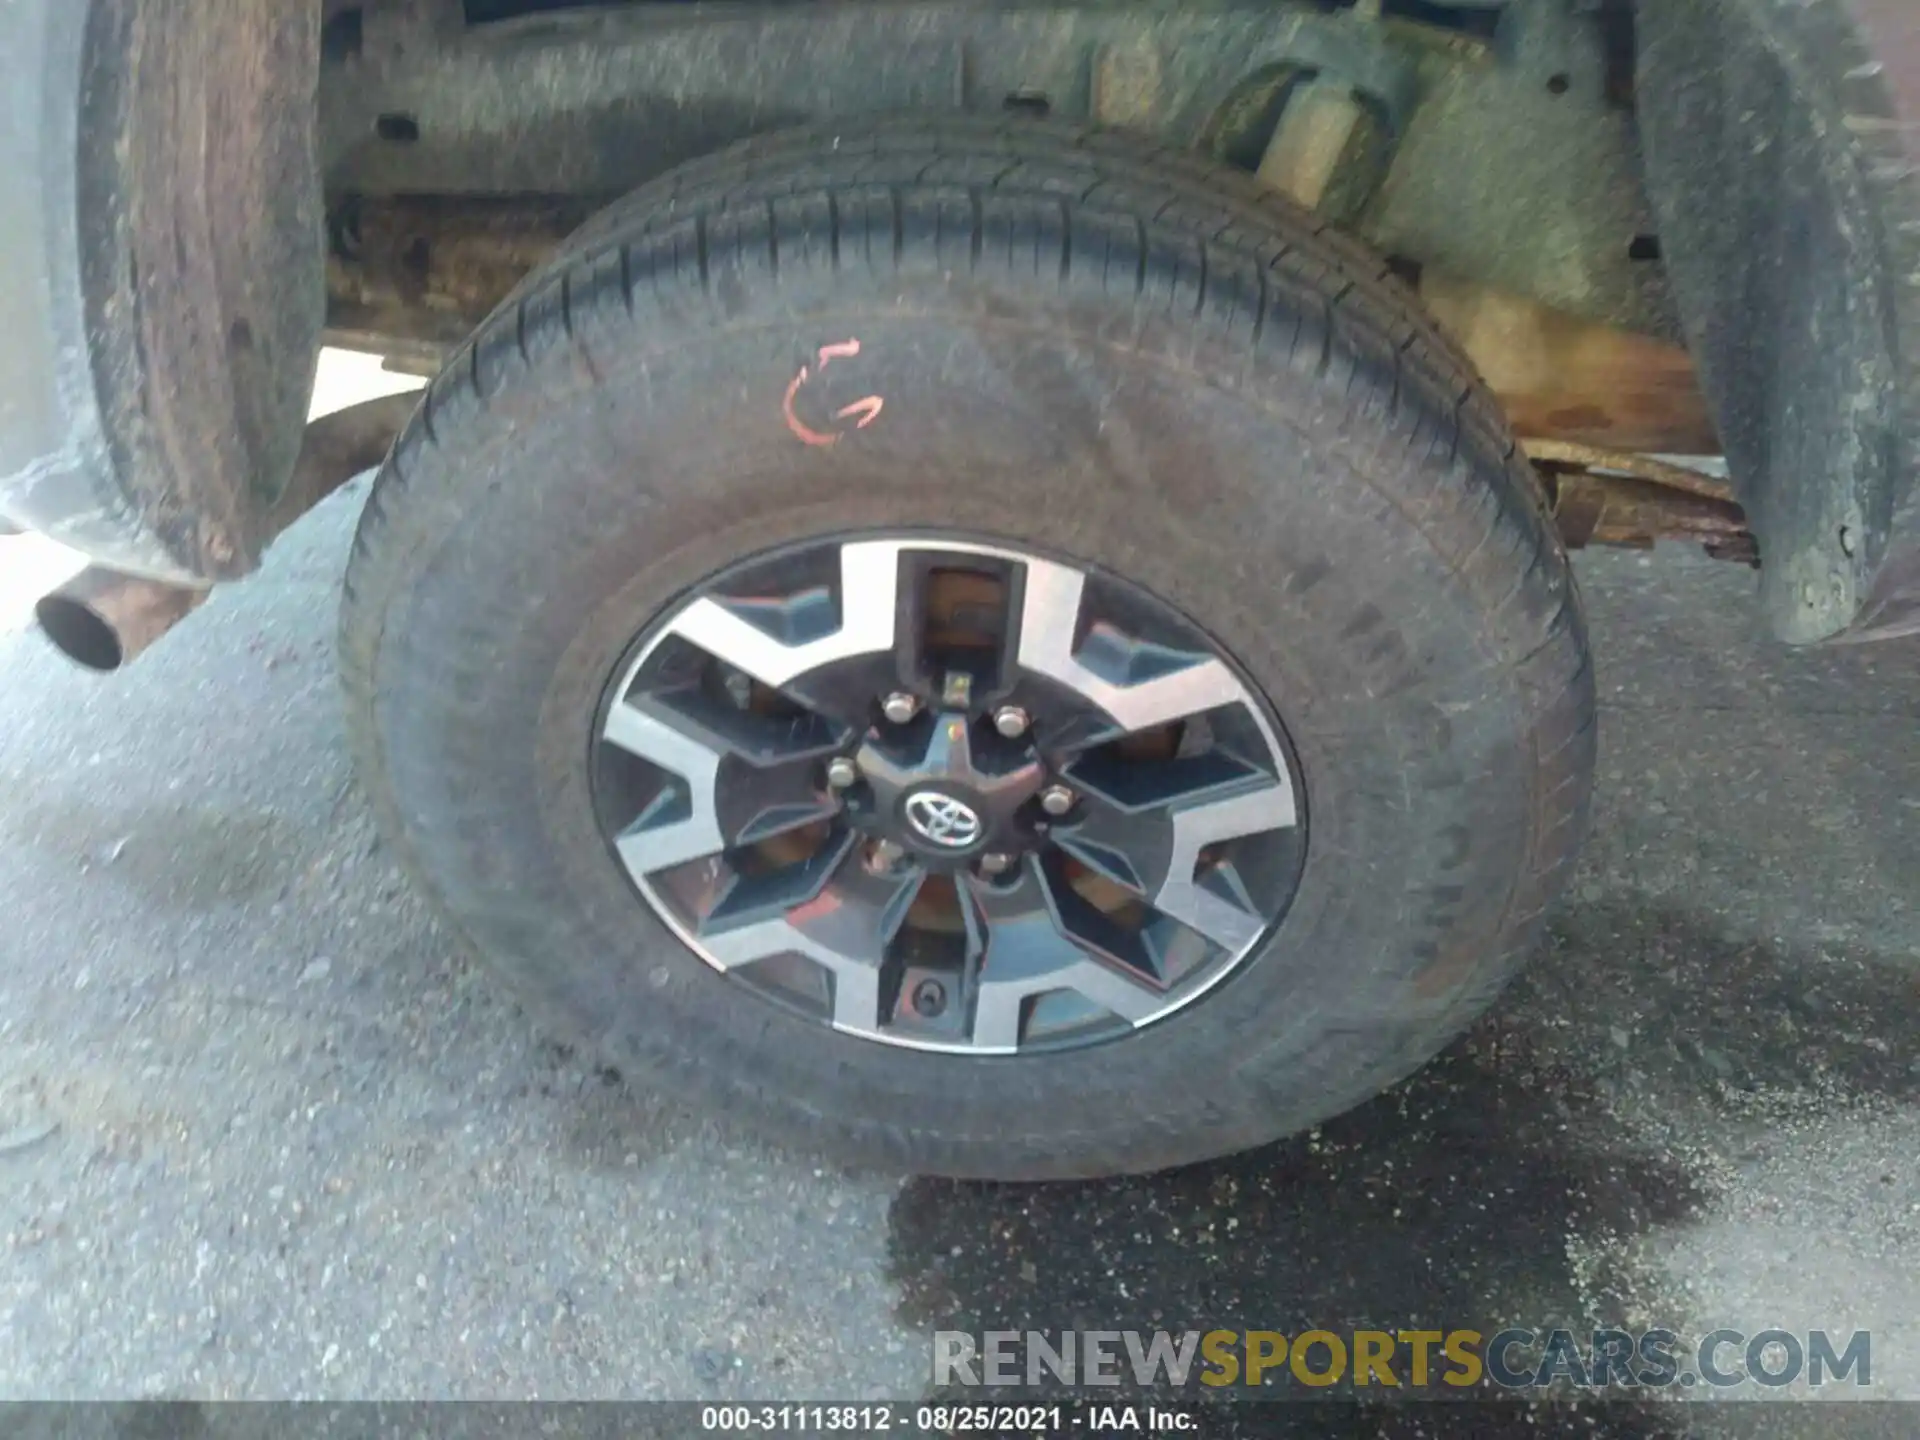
164, 245
1782, 144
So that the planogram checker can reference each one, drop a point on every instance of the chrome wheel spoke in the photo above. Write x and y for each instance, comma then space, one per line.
1138, 688
775, 643
1191, 901
682, 824
731, 779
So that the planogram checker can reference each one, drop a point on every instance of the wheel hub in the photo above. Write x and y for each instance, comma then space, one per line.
947, 788
949, 795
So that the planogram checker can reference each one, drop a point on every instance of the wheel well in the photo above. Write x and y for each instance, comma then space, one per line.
1504, 151
1495, 152
1787, 209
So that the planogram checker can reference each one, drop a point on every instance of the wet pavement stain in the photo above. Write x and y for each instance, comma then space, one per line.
1444, 1204
1524, 1178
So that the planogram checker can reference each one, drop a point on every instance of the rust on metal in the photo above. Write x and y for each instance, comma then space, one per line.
1564, 378
102, 620
1607, 497
426, 270
334, 449
413, 276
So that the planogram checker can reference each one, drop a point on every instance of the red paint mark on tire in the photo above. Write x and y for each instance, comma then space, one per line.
807, 436
868, 410
862, 412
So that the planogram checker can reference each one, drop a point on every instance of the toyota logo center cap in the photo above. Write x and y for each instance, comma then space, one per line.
942, 820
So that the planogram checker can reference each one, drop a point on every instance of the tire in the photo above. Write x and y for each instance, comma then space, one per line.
1087, 346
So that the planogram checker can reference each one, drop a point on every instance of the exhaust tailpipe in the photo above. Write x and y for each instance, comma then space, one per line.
102, 619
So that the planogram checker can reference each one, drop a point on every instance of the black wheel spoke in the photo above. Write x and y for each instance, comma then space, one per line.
758, 803
1018, 952
732, 776
854, 689
744, 897
1121, 822
844, 924
991, 801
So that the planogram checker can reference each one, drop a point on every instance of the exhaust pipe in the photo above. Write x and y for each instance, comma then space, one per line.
102, 619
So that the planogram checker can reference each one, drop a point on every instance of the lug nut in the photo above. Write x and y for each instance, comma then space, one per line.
900, 707
1011, 721
883, 855
1056, 800
739, 688
930, 998
994, 863
841, 772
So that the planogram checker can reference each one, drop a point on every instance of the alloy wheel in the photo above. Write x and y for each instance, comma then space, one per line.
948, 794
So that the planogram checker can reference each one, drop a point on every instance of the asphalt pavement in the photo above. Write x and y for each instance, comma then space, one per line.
265, 1131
